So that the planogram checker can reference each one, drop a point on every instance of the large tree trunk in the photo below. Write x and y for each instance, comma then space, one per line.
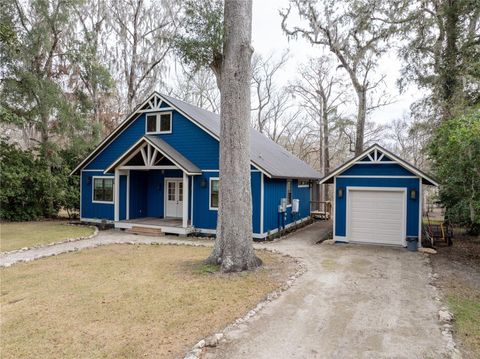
361, 115
233, 246
326, 152
449, 71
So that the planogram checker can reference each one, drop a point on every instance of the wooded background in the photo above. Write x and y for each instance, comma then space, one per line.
72, 69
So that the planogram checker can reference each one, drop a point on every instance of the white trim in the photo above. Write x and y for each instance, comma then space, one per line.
95, 220
210, 170
275, 230
165, 193
378, 189
116, 196
286, 191
146, 168
119, 130
191, 203
91, 170
420, 209
210, 193
334, 208
156, 110
93, 189
81, 196
375, 162
367, 176
158, 123
303, 185
165, 229
397, 159
185, 201
127, 215
262, 202
113, 135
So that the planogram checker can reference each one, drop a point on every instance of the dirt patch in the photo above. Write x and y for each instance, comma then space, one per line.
458, 270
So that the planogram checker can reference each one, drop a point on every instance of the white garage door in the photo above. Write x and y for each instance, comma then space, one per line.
376, 216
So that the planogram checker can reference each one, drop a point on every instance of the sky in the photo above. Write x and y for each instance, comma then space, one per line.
268, 38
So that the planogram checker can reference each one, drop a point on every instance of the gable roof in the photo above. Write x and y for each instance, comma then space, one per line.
164, 148
266, 155
365, 156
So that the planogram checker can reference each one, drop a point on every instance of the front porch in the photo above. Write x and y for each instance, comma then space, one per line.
166, 225
153, 188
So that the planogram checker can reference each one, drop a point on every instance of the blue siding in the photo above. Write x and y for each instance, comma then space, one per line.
205, 218
376, 170
89, 209
138, 194
186, 137
412, 205
275, 190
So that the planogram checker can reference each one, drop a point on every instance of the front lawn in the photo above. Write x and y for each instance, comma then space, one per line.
16, 235
125, 301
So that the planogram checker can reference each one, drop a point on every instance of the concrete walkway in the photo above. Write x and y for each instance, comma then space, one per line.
103, 238
354, 302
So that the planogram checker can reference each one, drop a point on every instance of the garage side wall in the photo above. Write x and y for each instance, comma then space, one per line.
413, 205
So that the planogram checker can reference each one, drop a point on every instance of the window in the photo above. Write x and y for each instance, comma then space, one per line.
289, 192
103, 189
303, 184
151, 123
213, 193
159, 123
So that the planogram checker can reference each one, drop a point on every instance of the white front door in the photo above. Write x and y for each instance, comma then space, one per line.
174, 198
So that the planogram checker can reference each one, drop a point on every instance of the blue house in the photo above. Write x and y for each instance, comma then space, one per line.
160, 169
378, 198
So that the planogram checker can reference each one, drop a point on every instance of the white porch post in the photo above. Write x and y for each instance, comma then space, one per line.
117, 195
185, 201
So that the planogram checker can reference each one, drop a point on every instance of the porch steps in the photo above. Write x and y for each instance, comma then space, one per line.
146, 231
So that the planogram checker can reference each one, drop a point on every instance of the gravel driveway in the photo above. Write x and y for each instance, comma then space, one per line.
354, 302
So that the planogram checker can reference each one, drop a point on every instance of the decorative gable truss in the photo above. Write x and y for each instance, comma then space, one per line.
147, 157
376, 156
154, 104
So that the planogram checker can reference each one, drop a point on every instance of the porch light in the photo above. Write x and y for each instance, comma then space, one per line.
340, 192
413, 193
203, 182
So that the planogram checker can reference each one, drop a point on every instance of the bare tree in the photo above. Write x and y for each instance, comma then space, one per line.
321, 92
233, 246
266, 93
410, 137
198, 88
142, 42
351, 32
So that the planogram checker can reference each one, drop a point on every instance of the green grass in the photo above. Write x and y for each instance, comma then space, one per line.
125, 301
17, 235
466, 310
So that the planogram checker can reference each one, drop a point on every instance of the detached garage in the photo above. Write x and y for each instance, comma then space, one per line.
378, 198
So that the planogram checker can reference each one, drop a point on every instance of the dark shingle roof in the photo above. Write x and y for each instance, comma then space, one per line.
265, 154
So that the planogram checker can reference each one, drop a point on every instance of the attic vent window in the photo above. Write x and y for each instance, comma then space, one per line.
158, 123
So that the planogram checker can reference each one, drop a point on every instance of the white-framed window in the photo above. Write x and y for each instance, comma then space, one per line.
288, 195
302, 183
102, 191
213, 193
158, 122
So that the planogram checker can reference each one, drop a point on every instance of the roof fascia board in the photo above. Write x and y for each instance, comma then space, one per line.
120, 128
397, 159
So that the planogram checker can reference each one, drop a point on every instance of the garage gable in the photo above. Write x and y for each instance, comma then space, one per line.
377, 162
